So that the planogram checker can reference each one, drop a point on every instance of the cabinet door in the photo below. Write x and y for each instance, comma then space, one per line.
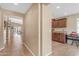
53, 36
62, 38
56, 37
56, 24
62, 22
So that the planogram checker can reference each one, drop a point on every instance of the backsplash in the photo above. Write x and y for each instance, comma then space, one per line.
60, 30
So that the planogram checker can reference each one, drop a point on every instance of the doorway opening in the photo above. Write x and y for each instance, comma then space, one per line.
13, 28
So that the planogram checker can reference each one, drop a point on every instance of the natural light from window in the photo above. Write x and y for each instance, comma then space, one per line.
78, 25
16, 20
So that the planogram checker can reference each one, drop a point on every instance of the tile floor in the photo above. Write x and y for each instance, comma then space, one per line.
60, 49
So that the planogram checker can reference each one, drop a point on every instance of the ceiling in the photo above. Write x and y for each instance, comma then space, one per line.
16, 7
64, 9
58, 9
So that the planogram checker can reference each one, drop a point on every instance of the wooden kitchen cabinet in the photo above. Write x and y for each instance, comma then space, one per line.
60, 23
59, 37
55, 36
53, 21
62, 38
56, 24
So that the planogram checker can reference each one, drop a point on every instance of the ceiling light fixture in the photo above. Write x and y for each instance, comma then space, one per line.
58, 7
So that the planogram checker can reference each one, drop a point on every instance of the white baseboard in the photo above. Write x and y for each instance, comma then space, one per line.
49, 53
33, 53
29, 49
2, 48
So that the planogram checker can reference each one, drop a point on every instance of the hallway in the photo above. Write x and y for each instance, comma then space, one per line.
15, 47
23, 18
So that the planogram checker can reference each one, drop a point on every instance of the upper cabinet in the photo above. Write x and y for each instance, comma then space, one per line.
59, 23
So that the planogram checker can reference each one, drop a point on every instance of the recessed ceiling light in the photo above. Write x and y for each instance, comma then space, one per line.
16, 4
58, 7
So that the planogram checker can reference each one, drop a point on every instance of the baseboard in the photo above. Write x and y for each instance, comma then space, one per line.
29, 49
33, 53
49, 53
2, 48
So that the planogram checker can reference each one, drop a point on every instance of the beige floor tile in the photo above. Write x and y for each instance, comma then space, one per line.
60, 49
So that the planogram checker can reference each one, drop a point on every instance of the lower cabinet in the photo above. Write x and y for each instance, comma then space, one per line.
59, 37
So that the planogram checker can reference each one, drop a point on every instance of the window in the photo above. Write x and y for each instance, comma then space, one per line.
16, 20
78, 25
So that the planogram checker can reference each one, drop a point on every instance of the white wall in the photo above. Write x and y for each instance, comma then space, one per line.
46, 29
31, 29
72, 23
1, 30
31, 32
